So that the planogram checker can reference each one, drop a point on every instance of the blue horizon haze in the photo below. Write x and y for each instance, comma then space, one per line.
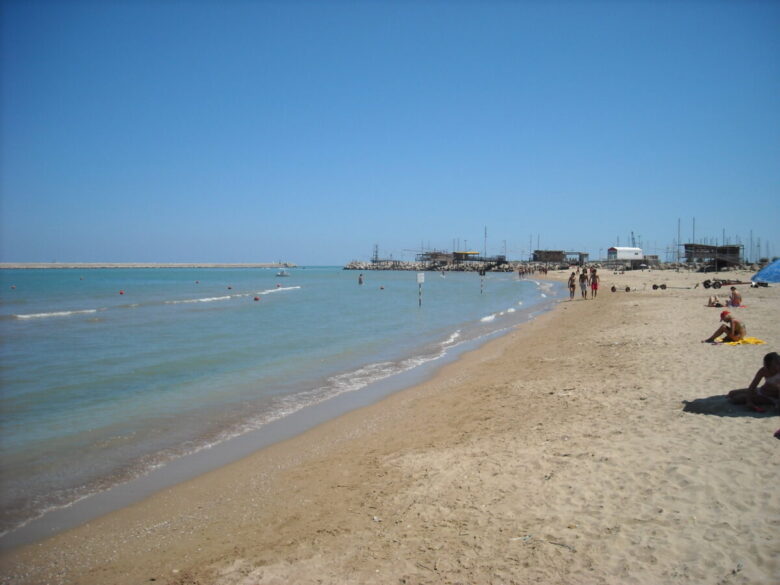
309, 132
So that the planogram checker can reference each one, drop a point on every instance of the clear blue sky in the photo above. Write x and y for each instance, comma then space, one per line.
310, 131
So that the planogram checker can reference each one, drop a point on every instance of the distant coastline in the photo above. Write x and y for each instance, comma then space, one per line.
90, 265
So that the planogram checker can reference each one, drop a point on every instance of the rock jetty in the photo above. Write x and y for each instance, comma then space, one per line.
426, 266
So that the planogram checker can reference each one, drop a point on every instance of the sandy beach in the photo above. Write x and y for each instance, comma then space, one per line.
591, 445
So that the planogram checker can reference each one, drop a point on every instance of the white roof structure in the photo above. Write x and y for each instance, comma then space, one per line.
624, 253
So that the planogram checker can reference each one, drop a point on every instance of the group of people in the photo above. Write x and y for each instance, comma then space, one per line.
756, 397
588, 279
731, 328
531, 269
733, 300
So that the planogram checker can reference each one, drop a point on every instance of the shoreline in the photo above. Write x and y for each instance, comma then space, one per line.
558, 452
233, 447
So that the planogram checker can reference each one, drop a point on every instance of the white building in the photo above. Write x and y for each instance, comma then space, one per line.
616, 253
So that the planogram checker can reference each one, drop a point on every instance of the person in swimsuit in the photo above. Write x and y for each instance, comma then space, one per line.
766, 396
572, 286
735, 299
734, 330
714, 301
594, 283
584, 284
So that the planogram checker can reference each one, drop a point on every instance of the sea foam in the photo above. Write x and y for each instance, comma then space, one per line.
56, 314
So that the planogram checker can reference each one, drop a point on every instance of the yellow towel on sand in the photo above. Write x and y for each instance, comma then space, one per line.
746, 341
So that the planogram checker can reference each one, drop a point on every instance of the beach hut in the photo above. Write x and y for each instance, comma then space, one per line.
623, 253
769, 273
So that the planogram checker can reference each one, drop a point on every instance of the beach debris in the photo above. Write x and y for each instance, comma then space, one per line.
664, 287
719, 282
529, 537
377, 519
561, 544
525, 538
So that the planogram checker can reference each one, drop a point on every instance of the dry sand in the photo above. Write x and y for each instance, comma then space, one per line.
560, 453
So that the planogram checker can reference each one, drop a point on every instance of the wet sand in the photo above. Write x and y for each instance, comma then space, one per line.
592, 445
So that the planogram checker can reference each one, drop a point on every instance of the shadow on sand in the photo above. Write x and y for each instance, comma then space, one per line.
720, 406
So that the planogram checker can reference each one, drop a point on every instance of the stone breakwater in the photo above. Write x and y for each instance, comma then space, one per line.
525, 267
425, 266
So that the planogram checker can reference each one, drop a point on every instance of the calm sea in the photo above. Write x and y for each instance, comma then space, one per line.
109, 373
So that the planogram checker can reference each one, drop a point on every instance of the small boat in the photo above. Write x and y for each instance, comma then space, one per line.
282, 272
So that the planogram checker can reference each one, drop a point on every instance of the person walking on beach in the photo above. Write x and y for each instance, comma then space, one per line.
734, 329
594, 283
572, 287
584, 284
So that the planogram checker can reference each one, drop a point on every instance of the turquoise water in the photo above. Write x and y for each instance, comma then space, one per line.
109, 373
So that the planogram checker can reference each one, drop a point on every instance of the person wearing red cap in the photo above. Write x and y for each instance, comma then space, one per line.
734, 330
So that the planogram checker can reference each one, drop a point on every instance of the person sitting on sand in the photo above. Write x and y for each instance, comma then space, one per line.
714, 301
734, 330
767, 395
735, 299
